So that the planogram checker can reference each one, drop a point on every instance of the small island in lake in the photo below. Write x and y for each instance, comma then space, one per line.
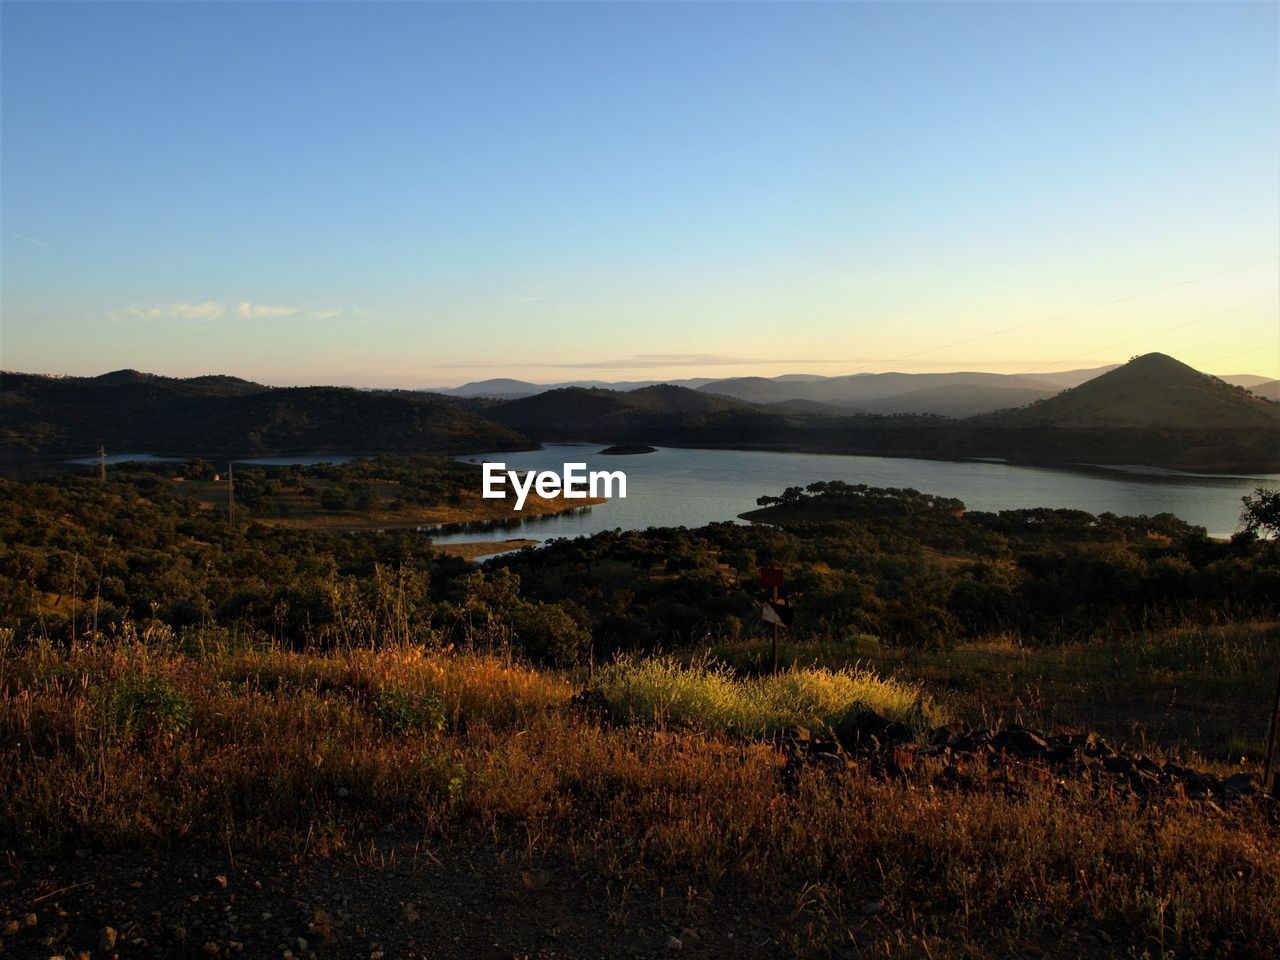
626, 450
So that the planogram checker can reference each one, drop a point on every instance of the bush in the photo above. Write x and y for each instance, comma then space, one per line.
409, 711
145, 708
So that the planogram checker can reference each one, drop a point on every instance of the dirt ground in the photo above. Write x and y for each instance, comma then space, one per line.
397, 898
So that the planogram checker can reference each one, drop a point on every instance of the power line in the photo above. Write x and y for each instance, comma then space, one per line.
1077, 312
997, 377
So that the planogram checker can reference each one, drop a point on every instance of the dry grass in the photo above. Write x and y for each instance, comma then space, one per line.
138, 743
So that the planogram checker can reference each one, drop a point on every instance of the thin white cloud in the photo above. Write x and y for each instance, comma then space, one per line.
209, 310
263, 311
38, 243
181, 310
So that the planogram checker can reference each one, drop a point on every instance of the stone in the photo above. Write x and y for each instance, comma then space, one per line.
107, 939
30, 920
674, 944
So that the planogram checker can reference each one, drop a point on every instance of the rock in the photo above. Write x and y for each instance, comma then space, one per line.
301, 944
12, 927
323, 929
674, 944
410, 913
858, 727
211, 948
1245, 784
30, 920
107, 939
1024, 741
221, 881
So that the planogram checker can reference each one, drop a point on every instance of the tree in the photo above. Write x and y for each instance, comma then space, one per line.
1261, 513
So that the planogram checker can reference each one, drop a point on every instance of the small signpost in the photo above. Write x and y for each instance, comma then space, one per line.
772, 577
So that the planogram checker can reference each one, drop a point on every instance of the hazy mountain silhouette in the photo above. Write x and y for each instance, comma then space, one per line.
947, 394
507, 389
1151, 391
1270, 389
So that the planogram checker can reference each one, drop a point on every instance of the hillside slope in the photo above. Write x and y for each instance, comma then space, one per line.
662, 412
131, 412
1154, 410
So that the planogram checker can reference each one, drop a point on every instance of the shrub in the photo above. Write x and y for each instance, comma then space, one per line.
144, 707
409, 711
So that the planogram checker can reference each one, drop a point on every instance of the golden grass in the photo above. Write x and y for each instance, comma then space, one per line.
262, 747
665, 691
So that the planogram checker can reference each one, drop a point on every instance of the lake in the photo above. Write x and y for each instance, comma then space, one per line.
678, 487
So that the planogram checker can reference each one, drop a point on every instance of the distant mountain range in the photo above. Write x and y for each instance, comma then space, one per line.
1153, 410
503, 388
958, 394
131, 412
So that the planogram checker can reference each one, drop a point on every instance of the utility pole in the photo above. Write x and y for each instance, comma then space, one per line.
102, 463
231, 495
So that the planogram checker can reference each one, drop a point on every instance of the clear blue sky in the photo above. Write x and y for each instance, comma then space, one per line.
417, 194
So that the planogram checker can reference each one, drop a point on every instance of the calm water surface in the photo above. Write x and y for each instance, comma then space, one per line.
675, 487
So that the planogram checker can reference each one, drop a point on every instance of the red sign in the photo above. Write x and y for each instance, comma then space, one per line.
771, 576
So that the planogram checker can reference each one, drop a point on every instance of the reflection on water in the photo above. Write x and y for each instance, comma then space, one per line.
674, 487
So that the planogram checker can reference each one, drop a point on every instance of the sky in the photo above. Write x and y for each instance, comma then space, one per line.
420, 195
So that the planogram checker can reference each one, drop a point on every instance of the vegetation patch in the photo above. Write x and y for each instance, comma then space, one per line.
711, 697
